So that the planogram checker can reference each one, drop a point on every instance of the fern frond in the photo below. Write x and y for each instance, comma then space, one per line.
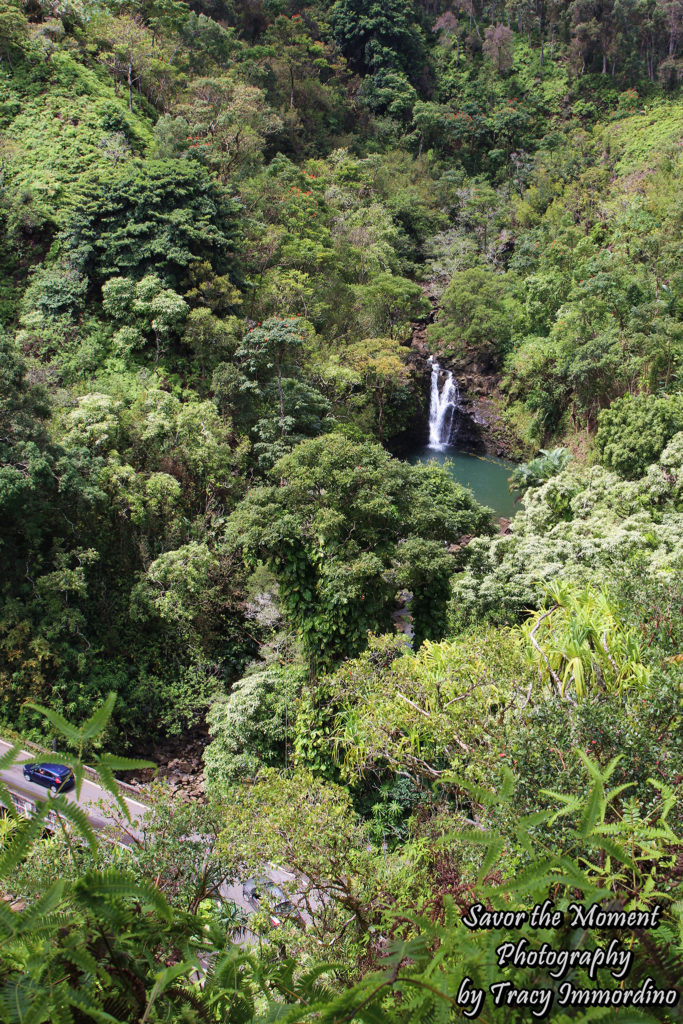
115, 884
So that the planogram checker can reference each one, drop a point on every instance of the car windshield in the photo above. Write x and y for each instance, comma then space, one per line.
55, 769
264, 887
274, 892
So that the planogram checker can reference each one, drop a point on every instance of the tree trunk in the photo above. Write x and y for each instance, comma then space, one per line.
130, 86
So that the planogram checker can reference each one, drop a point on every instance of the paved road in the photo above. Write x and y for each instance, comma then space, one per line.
94, 801
91, 797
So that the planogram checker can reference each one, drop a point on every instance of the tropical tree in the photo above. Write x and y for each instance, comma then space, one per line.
276, 345
389, 303
227, 124
144, 308
479, 312
163, 218
331, 531
381, 365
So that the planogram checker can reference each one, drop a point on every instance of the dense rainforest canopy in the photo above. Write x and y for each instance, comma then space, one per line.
232, 231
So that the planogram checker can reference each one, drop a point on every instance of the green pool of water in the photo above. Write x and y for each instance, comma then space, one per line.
484, 474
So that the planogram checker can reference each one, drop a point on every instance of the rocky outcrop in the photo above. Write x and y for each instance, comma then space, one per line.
180, 766
484, 428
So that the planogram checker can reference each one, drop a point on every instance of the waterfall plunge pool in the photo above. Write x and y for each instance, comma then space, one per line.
485, 475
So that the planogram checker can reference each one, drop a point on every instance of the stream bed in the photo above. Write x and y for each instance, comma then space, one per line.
485, 475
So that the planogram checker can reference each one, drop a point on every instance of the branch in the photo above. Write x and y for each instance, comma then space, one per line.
465, 694
463, 746
554, 674
414, 705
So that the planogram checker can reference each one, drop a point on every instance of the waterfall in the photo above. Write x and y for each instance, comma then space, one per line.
442, 407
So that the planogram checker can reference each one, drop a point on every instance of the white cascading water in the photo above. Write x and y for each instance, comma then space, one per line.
442, 408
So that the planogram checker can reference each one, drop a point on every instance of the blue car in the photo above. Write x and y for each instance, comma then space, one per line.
55, 777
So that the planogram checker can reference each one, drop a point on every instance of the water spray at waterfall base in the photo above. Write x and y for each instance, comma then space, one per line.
485, 475
442, 407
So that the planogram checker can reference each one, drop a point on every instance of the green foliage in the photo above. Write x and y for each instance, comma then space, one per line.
424, 568
253, 727
274, 346
420, 714
641, 726
95, 528
381, 366
331, 529
334, 868
424, 985
609, 850
538, 470
635, 430
265, 392
478, 312
611, 329
579, 526
93, 923
161, 218
13, 31
55, 291
580, 645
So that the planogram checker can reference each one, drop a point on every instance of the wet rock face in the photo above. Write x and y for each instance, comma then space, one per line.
468, 430
478, 425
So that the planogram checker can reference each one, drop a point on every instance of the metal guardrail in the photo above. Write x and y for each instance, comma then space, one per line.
27, 808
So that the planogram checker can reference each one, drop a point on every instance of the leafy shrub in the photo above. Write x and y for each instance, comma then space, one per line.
634, 431
539, 470
253, 726
158, 218
55, 290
